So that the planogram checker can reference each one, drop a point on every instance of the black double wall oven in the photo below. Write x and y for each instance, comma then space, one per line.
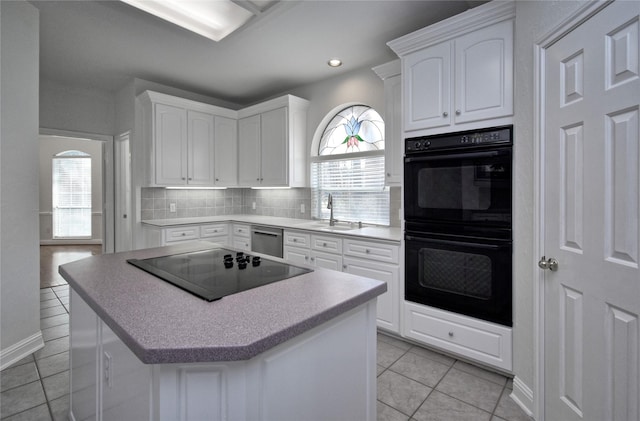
457, 204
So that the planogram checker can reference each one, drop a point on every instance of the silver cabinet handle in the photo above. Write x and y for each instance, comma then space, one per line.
445, 114
344, 266
367, 251
458, 112
324, 244
551, 264
451, 334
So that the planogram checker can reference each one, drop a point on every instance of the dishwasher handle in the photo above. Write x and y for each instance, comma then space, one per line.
270, 234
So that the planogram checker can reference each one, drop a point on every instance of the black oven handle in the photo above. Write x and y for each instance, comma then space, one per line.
455, 243
469, 155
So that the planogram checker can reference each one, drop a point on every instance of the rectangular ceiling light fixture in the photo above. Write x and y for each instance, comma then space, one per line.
214, 19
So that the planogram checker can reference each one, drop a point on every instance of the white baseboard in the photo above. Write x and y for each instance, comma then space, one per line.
91, 241
522, 395
18, 351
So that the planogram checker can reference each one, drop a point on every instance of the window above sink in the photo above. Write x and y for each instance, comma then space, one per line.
348, 162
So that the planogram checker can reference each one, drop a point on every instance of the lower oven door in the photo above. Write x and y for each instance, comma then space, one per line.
470, 276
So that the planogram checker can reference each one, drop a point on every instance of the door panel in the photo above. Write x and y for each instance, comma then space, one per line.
591, 211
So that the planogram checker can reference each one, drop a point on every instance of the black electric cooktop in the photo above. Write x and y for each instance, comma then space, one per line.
215, 273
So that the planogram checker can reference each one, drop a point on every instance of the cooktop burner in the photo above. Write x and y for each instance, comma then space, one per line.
215, 273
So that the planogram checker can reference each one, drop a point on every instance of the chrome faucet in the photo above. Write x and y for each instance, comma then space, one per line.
332, 221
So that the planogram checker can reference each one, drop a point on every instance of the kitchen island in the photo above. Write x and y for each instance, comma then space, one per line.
143, 349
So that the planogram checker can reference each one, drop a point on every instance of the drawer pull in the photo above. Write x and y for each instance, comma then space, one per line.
367, 251
324, 244
183, 234
451, 334
295, 240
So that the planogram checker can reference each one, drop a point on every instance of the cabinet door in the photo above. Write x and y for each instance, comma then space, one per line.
249, 151
388, 307
126, 381
484, 73
393, 146
170, 145
275, 150
326, 260
200, 149
296, 255
226, 152
241, 243
84, 359
427, 88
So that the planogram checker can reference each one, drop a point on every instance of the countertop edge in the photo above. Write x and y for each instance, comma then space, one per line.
377, 232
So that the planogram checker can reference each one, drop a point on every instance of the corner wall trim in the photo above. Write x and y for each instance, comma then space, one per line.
18, 351
522, 395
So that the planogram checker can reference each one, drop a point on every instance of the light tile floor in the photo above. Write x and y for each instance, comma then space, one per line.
414, 383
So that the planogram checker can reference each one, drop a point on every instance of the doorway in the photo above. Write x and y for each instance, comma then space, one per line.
58, 144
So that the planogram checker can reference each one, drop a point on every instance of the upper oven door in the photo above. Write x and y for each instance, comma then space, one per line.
462, 186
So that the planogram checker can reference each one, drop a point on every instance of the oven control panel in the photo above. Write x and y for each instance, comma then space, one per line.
494, 136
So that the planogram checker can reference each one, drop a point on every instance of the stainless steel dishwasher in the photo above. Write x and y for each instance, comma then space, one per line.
266, 240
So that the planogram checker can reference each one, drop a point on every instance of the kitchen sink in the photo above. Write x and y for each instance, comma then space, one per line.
326, 227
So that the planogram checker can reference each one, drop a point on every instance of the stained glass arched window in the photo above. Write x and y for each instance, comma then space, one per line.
349, 166
357, 128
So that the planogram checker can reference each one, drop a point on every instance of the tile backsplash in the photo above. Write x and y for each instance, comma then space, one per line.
288, 203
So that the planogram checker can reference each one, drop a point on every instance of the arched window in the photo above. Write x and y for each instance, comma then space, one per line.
349, 165
71, 195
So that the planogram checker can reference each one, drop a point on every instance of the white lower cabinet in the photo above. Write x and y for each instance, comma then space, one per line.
371, 259
478, 340
389, 302
215, 233
164, 236
242, 237
315, 250
108, 382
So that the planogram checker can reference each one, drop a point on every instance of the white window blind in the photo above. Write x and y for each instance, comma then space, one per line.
71, 195
357, 186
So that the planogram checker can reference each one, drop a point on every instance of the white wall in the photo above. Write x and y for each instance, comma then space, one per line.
534, 19
49, 147
19, 254
76, 109
362, 86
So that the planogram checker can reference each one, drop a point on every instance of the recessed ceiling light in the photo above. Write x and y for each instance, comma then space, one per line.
212, 19
335, 62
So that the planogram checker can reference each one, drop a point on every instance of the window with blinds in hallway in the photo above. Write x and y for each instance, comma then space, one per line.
71, 195
349, 165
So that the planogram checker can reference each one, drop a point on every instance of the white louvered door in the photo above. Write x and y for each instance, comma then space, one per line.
591, 211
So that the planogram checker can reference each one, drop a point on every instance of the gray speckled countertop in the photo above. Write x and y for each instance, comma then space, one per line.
367, 231
161, 323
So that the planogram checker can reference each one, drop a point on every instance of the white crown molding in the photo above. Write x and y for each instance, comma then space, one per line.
152, 96
387, 70
471, 20
272, 104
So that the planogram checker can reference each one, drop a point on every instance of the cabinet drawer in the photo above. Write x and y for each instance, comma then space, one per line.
296, 239
367, 250
241, 230
213, 230
181, 234
482, 341
327, 244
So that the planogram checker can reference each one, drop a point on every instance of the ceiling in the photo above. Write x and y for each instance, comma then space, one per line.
103, 44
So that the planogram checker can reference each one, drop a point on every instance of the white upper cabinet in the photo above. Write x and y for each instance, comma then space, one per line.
225, 152
272, 143
187, 143
393, 146
200, 148
458, 73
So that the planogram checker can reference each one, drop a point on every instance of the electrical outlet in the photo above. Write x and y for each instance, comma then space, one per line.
108, 369
172, 207
301, 207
